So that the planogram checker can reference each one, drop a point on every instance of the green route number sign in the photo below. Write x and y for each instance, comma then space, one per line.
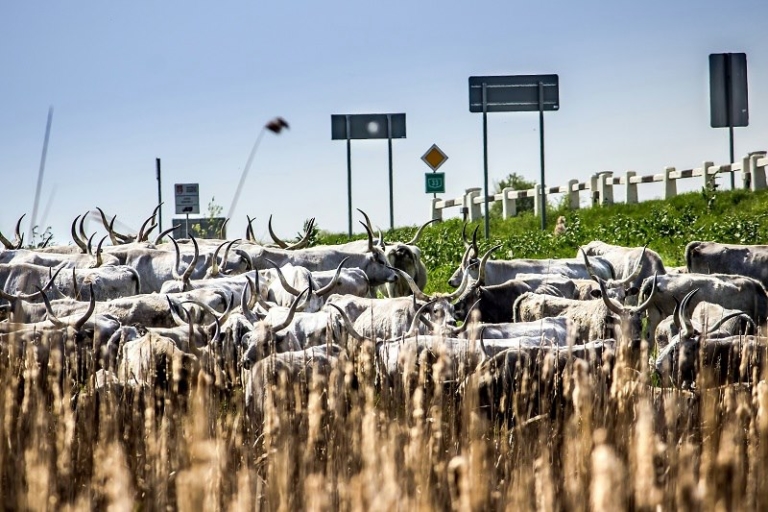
434, 182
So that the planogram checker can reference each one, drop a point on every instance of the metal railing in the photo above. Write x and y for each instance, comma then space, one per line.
601, 186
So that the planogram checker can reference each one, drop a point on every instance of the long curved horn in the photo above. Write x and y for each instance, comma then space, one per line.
163, 234
277, 240
145, 237
325, 290
28, 297
382, 245
249, 230
467, 245
141, 235
418, 233
474, 241
456, 294
611, 304
292, 311
367, 220
304, 239
75, 237
223, 228
107, 224
734, 314
370, 236
215, 260
483, 262
287, 286
99, 259
46, 242
458, 330
123, 239
420, 295
635, 273
225, 258
191, 268
413, 330
7, 243
174, 309
348, 324
676, 313
248, 305
687, 329
644, 305
91, 306
81, 226
18, 237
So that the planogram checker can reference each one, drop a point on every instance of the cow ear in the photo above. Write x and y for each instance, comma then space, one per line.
634, 290
596, 293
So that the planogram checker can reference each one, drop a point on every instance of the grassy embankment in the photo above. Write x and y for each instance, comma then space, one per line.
667, 226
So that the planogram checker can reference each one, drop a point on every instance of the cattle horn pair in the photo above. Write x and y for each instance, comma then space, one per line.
284, 245
190, 268
18, 240
79, 323
614, 283
215, 267
114, 236
616, 307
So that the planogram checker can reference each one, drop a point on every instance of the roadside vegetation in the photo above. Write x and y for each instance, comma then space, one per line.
739, 217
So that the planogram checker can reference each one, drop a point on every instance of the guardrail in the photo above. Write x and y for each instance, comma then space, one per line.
600, 185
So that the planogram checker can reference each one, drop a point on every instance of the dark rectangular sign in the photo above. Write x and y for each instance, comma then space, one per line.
728, 90
366, 126
517, 93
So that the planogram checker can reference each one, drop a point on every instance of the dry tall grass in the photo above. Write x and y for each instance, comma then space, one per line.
599, 438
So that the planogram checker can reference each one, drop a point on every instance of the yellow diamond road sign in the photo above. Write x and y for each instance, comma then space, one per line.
434, 157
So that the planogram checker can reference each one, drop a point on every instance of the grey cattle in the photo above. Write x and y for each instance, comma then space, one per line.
716, 258
592, 320
731, 292
498, 271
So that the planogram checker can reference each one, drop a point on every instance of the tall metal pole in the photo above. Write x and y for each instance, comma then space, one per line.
349, 179
245, 172
729, 110
40, 173
391, 193
485, 163
543, 201
159, 196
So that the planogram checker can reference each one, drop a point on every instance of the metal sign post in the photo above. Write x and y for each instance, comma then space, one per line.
367, 126
729, 105
434, 158
515, 93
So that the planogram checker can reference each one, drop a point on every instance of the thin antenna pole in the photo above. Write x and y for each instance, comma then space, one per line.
245, 172
40, 172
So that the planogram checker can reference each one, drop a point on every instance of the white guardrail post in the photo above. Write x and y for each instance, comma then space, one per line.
709, 179
756, 170
475, 211
670, 184
605, 188
508, 205
573, 194
631, 188
434, 211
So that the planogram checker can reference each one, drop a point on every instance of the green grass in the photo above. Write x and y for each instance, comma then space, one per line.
738, 216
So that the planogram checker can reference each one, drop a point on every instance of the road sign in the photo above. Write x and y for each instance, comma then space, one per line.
515, 93
187, 198
367, 126
434, 157
728, 90
434, 182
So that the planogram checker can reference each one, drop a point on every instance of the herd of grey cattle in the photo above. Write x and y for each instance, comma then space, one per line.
125, 312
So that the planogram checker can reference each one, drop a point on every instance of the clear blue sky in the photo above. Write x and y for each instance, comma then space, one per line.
193, 82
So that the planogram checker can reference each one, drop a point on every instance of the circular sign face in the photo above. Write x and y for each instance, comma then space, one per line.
373, 127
